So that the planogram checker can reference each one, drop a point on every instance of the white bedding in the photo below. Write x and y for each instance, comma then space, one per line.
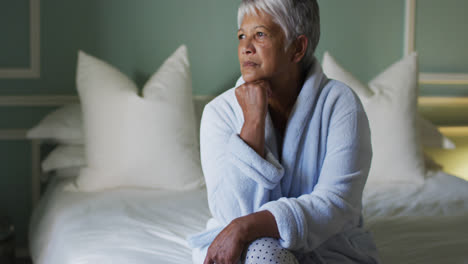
118, 226
411, 224
425, 223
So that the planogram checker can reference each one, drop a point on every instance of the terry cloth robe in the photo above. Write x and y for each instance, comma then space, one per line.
314, 191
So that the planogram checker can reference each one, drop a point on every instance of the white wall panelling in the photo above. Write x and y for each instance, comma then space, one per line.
12, 134
34, 70
35, 171
20, 134
459, 131
410, 21
443, 101
48, 100
443, 78
58, 100
410, 35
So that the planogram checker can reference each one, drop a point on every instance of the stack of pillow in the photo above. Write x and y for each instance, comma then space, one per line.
64, 127
118, 138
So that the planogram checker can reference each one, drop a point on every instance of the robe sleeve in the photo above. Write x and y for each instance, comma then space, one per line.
336, 201
238, 180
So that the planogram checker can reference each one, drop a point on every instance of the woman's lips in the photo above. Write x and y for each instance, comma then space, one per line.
249, 64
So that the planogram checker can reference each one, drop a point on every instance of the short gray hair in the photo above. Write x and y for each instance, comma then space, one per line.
295, 17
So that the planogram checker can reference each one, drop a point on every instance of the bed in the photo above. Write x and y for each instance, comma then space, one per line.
424, 221
411, 224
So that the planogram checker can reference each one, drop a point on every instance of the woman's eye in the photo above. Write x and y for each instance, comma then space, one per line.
260, 34
241, 36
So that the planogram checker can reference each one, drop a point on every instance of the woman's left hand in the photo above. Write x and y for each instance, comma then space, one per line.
228, 245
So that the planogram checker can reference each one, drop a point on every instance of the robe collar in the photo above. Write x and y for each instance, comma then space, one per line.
301, 111
299, 118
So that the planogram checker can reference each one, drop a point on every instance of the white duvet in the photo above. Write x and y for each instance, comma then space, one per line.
411, 224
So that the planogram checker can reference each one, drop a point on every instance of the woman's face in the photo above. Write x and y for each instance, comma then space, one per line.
261, 48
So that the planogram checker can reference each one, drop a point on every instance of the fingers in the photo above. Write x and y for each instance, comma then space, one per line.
253, 99
208, 260
261, 83
219, 261
258, 83
259, 87
269, 92
211, 254
225, 249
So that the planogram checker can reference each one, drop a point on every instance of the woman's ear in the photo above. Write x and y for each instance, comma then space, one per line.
300, 48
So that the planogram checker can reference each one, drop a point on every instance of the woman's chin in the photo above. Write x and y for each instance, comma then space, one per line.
250, 77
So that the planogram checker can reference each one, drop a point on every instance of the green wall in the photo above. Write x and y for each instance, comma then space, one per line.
366, 36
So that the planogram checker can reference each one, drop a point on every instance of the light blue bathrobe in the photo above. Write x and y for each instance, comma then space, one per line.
314, 191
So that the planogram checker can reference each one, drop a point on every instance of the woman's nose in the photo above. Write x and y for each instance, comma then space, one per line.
248, 47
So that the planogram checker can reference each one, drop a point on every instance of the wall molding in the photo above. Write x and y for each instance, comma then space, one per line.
36, 171
34, 70
13, 134
443, 78
460, 131
442, 101
58, 100
410, 26
409, 47
38, 100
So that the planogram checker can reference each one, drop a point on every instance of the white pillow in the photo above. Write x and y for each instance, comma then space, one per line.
138, 141
67, 159
430, 136
390, 101
64, 156
63, 125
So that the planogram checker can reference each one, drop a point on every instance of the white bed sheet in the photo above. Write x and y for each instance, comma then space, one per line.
118, 226
427, 223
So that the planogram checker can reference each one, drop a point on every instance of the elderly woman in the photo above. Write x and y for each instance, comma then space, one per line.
285, 154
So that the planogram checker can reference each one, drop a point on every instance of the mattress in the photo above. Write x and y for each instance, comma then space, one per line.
425, 223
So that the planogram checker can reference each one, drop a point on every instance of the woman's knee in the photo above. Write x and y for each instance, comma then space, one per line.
268, 250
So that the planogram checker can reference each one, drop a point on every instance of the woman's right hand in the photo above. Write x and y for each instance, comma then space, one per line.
228, 245
253, 99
